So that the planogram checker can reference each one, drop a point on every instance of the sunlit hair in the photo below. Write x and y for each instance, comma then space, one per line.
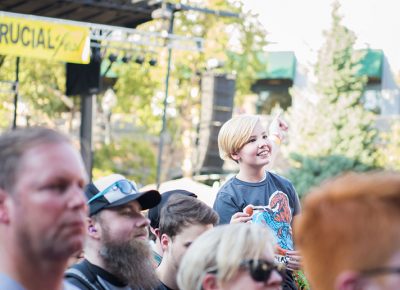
349, 223
181, 211
235, 133
222, 249
14, 144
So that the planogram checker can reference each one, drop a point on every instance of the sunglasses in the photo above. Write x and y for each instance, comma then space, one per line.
124, 186
381, 271
261, 270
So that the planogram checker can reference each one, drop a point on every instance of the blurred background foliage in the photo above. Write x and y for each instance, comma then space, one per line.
389, 151
131, 157
330, 130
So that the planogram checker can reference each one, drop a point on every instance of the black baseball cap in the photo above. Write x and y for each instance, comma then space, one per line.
115, 190
154, 213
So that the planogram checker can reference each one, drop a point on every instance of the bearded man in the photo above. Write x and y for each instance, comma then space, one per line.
117, 253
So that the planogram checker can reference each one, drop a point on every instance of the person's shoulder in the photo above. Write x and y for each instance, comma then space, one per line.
74, 282
226, 186
162, 286
279, 178
70, 286
79, 276
8, 283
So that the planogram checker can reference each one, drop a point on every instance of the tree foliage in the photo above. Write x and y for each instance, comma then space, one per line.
129, 156
332, 132
222, 36
41, 88
140, 89
389, 151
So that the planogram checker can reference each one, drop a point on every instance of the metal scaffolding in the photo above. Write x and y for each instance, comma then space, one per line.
122, 38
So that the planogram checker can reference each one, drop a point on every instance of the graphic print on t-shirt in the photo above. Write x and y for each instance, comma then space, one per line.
278, 216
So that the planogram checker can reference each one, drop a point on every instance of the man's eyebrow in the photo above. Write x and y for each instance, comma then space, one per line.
124, 207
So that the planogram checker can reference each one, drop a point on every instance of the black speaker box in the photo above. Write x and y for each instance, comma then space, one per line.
83, 79
218, 91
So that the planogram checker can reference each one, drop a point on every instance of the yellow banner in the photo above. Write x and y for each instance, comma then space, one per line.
42, 39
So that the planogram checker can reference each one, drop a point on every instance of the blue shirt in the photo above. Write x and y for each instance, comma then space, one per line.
7, 283
275, 193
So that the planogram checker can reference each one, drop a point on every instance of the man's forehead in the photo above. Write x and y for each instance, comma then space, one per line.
194, 228
47, 150
52, 156
132, 205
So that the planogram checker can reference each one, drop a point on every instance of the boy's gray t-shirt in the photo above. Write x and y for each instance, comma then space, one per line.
275, 193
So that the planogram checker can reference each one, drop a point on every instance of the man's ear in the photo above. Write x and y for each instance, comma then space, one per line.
165, 242
155, 231
348, 280
92, 228
210, 282
4, 209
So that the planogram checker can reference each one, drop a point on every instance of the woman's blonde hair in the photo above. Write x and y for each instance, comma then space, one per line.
222, 249
234, 134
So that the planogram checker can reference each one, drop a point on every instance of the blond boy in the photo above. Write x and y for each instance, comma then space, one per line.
244, 140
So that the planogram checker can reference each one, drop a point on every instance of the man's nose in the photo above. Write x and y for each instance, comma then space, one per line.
143, 222
77, 198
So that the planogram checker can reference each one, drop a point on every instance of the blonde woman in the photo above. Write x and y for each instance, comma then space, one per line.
230, 257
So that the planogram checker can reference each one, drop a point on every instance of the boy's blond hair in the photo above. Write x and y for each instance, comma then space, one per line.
234, 134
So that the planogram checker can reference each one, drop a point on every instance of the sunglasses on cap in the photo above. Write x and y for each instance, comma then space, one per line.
124, 186
261, 270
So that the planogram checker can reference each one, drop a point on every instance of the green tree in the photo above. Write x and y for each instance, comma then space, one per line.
333, 132
389, 151
129, 156
41, 88
222, 36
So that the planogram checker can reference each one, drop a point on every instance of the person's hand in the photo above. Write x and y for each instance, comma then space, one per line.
240, 217
278, 127
294, 260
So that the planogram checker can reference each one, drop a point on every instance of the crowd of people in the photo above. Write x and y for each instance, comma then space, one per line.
58, 231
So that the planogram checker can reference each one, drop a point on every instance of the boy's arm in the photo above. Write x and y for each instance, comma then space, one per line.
277, 129
297, 204
226, 207
276, 133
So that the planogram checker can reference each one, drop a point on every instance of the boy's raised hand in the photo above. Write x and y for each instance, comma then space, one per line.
278, 127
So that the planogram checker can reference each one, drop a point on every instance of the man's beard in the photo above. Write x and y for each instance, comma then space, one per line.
130, 261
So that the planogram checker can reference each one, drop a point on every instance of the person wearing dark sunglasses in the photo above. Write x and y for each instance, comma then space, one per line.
231, 257
349, 233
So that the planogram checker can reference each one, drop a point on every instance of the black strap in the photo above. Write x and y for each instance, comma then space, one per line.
82, 273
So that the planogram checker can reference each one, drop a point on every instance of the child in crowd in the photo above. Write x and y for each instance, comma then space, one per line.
244, 140
182, 219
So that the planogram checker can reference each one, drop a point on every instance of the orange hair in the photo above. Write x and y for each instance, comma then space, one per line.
349, 223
